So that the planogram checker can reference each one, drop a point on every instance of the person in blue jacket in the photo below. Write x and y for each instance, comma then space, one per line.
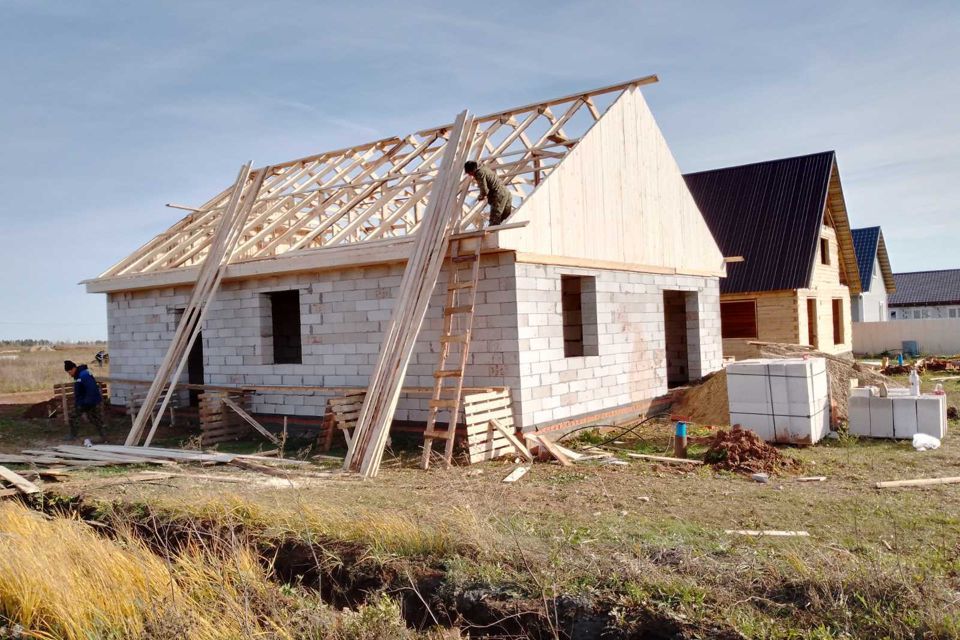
86, 397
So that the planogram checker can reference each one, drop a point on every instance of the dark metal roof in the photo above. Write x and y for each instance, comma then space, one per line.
770, 213
926, 288
865, 243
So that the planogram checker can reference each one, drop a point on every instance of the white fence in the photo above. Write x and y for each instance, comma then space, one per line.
935, 336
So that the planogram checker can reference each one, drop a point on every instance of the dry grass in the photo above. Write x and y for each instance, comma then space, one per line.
58, 579
40, 370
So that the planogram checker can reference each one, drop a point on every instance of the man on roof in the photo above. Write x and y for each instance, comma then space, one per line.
86, 398
492, 190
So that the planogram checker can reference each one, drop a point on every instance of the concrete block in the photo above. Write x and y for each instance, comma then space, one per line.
881, 417
800, 429
932, 415
748, 394
904, 417
859, 416
761, 424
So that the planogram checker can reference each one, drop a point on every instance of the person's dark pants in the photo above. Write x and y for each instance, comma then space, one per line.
94, 415
500, 210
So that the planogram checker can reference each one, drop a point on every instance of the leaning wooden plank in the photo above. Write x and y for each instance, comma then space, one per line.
182, 337
253, 423
516, 474
413, 296
771, 533
644, 456
919, 482
22, 484
513, 439
551, 449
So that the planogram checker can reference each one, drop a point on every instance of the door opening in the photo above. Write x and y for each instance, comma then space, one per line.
677, 342
812, 334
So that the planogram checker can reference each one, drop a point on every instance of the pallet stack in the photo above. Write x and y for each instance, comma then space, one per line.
218, 423
413, 296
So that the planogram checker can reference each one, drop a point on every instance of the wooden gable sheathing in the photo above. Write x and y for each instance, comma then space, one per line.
618, 200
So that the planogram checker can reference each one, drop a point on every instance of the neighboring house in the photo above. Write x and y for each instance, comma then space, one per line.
609, 293
788, 220
926, 294
876, 278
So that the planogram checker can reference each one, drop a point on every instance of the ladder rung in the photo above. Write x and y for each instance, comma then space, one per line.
448, 374
442, 435
461, 337
470, 257
449, 311
445, 404
460, 285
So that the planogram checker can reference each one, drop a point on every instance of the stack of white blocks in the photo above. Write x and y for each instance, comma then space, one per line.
899, 415
781, 400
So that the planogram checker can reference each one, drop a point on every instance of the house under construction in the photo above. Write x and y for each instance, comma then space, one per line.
597, 294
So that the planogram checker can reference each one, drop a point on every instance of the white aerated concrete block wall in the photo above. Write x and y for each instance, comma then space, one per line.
780, 400
517, 337
630, 364
898, 416
343, 317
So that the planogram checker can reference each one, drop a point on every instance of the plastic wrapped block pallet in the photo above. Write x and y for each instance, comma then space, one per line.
781, 400
899, 415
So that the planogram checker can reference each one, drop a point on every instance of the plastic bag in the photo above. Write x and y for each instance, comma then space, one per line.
923, 442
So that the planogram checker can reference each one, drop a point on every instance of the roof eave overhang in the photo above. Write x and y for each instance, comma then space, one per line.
838, 208
885, 271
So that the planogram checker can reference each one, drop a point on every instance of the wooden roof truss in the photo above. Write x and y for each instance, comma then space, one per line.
379, 190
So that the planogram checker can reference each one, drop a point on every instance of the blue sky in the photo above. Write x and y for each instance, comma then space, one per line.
110, 109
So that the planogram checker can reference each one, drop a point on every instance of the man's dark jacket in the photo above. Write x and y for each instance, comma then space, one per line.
86, 391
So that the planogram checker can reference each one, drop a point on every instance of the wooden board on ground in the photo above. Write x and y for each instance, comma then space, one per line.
919, 482
516, 474
644, 456
551, 448
20, 483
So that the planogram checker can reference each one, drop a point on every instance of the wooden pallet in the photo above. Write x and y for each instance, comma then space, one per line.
485, 441
343, 412
217, 422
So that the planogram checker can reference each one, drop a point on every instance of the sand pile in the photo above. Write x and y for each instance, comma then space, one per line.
744, 451
705, 402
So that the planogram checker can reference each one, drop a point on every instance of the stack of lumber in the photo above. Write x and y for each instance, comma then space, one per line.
218, 422
103, 455
413, 296
64, 392
222, 246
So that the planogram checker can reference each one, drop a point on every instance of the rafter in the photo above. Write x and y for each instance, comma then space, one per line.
379, 189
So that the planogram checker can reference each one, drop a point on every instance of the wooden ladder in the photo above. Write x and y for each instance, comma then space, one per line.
454, 344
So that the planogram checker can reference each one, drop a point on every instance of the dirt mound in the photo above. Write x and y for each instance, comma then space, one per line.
706, 401
42, 409
742, 450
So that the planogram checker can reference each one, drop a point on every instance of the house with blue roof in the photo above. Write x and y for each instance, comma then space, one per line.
876, 277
